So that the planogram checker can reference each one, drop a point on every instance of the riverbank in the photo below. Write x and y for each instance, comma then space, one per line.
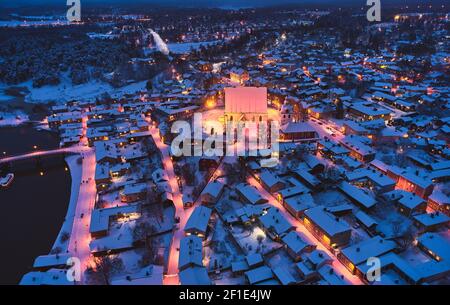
63, 239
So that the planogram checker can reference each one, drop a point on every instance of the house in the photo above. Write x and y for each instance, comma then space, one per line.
46, 262
370, 178
411, 204
134, 192
357, 149
191, 252
438, 201
194, 276
53, 276
239, 75
283, 275
102, 176
329, 230
298, 204
298, 131
238, 268
357, 195
286, 193
119, 170
175, 111
435, 245
367, 222
367, 113
351, 127
340, 209
331, 276
258, 275
57, 119
254, 260
270, 182
197, 223
95, 135
274, 223
106, 152
315, 164
249, 213
150, 275
424, 272
212, 192
311, 263
296, 244
249, 194
101, 218
411, 182
358, 254
307, 178
429, 222
331, 149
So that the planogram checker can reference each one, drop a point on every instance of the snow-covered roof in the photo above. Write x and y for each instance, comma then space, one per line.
297, 127
150, 275
365, 219
275, 220
295, 241
50, 277
194, 276
269, 179
440, 198
283, 275
376, 177
213, 188
299, 189
250, 193
190, 252
259, 274
100, 217
300, 202
326, 222
51, 260
437, 244
430, 219
373, 247
357, 194
254, 259
199, 219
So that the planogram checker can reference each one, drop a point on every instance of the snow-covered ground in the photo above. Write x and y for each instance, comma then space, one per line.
183, 48
66, 91
75, 174
12, 119
24, 23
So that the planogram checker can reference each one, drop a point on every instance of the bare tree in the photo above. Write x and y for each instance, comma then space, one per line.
105, 267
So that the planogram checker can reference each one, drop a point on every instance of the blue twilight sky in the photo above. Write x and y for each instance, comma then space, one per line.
210, 3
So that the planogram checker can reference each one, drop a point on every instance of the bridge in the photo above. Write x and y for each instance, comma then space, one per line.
29, 160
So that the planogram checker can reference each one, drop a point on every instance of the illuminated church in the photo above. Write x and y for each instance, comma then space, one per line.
246, 104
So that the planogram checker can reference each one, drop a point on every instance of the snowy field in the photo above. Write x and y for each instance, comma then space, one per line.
184, 48
24, 23
65, 91
12, 119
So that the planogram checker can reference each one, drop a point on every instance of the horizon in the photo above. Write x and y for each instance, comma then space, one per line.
225, 4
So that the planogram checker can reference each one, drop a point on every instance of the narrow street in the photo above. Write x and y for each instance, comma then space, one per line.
172, 278
80, 236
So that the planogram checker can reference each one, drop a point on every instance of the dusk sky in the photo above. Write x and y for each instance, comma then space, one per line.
211, 3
